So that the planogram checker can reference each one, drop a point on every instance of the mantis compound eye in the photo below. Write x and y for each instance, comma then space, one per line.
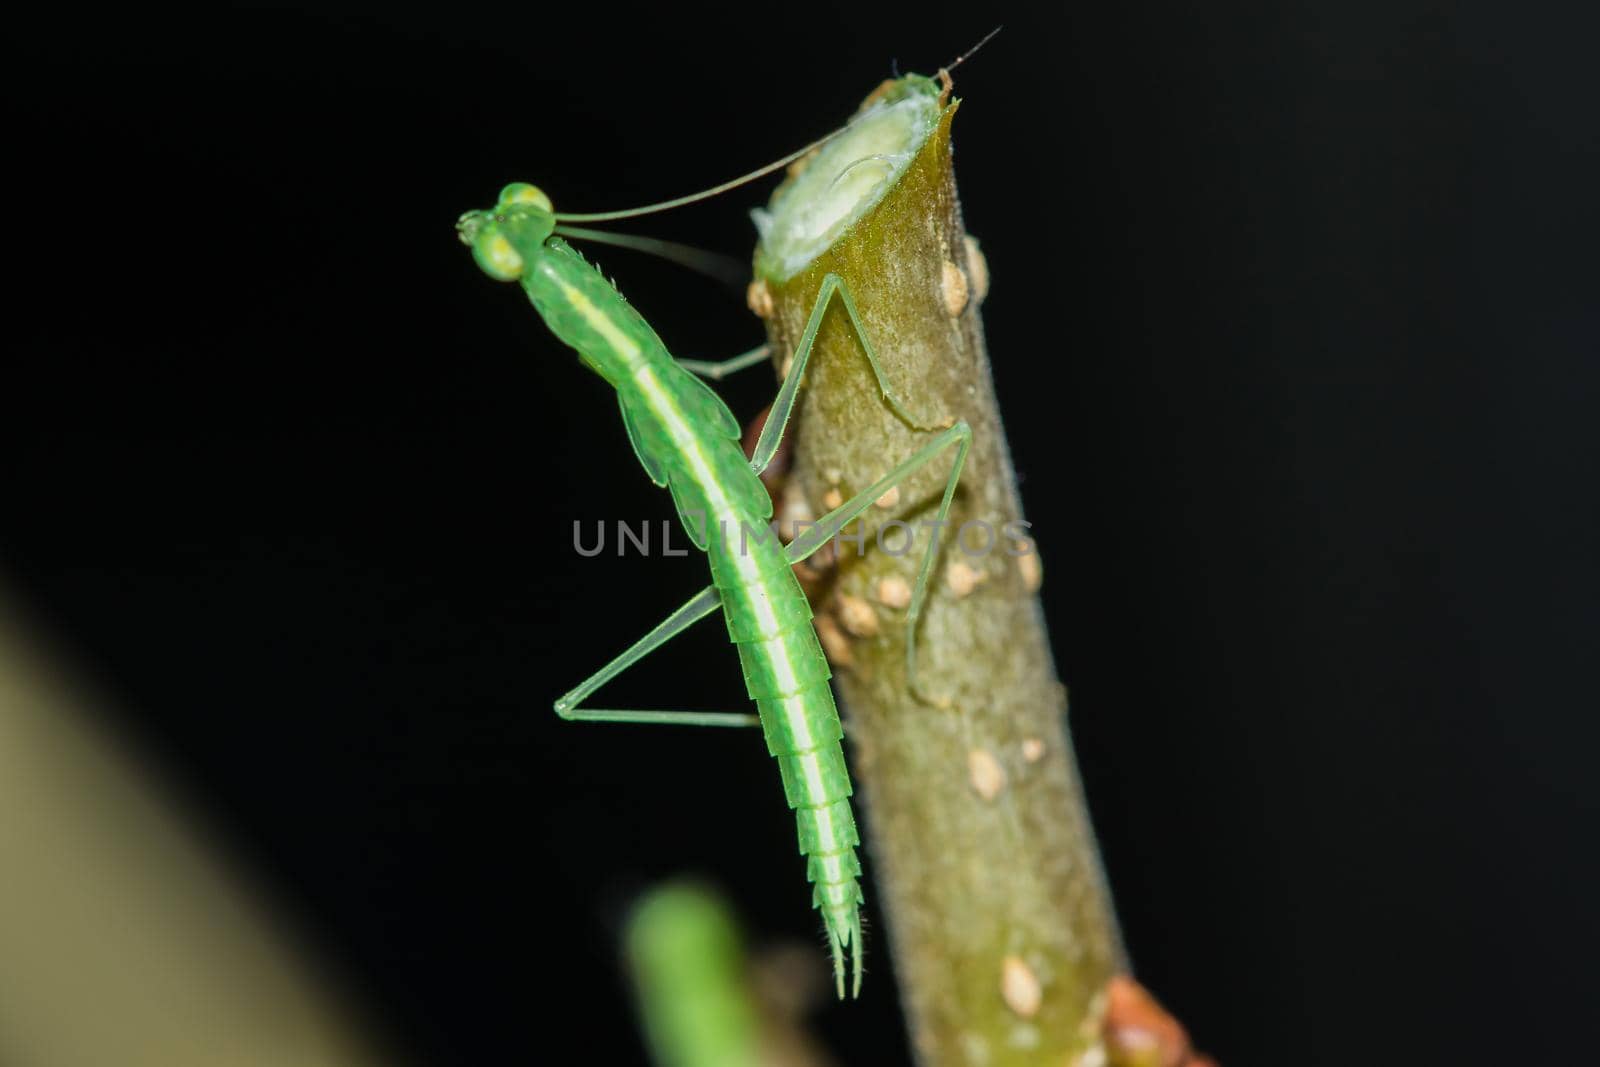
498, 258
521, 194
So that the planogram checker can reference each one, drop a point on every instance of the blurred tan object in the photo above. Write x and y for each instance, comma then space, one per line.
1139, 1032
123, 941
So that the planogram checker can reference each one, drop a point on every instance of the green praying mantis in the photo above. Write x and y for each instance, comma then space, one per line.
688, 441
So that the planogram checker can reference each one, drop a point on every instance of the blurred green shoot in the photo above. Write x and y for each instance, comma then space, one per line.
688, 965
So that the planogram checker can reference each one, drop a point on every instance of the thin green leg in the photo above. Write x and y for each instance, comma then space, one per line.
716, 371
836, 520
783, 406
704, 603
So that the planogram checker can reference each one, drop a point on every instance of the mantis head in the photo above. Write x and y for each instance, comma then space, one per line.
505, 237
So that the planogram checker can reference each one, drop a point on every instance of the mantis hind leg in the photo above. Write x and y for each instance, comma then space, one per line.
702, 604
831, 524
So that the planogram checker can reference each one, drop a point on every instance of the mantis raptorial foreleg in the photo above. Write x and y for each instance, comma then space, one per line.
718, 370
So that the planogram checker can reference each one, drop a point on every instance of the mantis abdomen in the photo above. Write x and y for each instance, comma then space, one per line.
787, 675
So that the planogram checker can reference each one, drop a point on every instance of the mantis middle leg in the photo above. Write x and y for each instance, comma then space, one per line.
783, 405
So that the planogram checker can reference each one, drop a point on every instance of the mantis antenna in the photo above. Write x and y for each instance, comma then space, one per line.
704, 194
659, 248
969, 53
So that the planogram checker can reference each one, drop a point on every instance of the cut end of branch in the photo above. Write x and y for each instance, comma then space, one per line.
846, 178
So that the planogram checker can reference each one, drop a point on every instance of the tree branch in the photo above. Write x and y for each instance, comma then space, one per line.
982, 858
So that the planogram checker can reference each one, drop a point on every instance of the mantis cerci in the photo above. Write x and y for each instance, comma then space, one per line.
687, 440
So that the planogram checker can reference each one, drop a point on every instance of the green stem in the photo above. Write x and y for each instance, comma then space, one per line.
699, 998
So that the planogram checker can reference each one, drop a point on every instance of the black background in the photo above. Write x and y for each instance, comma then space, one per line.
1295, 326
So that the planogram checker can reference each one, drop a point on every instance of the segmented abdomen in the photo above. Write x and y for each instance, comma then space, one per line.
786, 674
